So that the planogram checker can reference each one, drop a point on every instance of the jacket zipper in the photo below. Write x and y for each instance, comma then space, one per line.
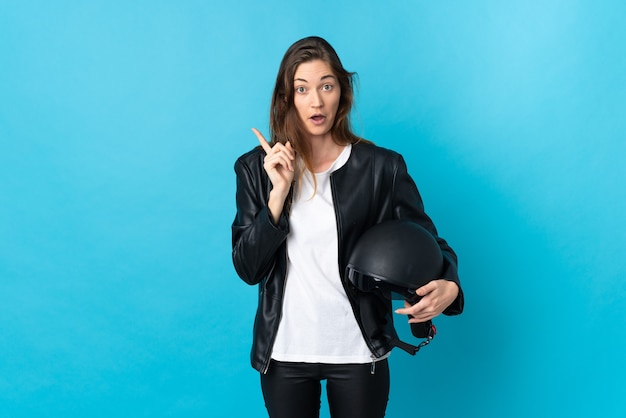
341, 273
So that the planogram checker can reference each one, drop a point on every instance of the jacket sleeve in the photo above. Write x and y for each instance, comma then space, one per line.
407, 204
255, 237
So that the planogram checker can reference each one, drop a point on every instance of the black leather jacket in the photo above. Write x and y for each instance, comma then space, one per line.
373, 186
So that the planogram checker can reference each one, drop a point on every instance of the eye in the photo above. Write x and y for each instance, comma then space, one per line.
300, 89
327, 87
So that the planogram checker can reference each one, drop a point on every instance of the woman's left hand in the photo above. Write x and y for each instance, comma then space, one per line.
437, 295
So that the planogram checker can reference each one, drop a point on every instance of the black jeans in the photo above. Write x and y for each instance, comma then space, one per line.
293, 390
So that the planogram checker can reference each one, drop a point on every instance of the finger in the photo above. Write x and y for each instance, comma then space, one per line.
426, 289
285, 149
409, 309
275, 160
283, 154
419, 315
420, 319
403, 311
290, 149
266, 146
412, 310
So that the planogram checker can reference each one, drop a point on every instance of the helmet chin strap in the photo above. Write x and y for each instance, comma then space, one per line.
422, 330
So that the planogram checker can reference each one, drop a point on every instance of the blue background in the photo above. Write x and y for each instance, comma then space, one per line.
119, 125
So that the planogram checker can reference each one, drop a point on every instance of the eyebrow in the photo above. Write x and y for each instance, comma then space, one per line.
321, 79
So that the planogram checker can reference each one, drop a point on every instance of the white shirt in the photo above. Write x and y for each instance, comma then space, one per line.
317, 325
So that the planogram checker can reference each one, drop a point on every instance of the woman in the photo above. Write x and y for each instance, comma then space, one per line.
303, 200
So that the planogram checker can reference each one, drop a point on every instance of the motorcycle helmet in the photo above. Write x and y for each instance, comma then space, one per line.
396, 258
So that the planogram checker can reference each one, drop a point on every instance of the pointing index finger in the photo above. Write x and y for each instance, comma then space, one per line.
266, 146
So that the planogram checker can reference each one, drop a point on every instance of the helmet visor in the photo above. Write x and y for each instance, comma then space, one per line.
371, 283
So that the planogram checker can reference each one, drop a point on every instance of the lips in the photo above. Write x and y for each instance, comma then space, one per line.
318, 119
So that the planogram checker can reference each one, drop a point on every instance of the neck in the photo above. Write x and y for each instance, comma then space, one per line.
324, 151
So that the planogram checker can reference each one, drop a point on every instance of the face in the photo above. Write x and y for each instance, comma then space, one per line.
316, 97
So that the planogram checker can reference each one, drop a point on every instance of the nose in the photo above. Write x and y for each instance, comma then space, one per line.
316, 100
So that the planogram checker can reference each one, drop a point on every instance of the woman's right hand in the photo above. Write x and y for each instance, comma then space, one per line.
279, 166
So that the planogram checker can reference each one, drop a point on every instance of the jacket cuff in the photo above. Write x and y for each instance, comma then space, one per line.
283, 222
450, 273
456, 307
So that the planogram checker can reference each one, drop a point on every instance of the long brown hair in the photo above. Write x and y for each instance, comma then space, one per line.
285, 125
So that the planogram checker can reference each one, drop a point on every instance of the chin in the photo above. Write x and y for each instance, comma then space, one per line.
318, 130
319, 134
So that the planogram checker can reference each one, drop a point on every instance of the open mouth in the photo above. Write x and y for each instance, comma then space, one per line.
318, 119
